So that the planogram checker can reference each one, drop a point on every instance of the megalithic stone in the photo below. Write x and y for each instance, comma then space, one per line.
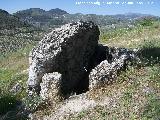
66, 50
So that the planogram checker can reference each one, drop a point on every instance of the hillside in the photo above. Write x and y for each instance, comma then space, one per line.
15, 34
41, 18
56, 17
8, 21
133, 95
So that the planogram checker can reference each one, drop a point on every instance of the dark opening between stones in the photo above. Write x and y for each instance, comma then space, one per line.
101, 53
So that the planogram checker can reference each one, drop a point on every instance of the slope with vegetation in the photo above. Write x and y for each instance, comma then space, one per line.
8, 21
135, 94
15, 34
17, 38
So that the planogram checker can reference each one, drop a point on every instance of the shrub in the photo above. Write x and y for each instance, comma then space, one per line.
33, 102
150, 52
7, 102
146, 22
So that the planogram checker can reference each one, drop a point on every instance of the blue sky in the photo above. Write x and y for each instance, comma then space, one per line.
70, 6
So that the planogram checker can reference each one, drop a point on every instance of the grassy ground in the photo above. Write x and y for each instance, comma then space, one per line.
14, 65
130, 37
13, 70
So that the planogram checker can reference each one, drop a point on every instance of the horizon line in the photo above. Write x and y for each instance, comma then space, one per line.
82, 13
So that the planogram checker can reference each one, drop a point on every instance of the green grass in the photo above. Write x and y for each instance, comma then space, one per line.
152, 108
13, 68
12, 65
130, 37
16, 45
107, 35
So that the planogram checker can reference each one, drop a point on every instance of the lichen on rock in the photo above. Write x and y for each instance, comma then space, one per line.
107, 70
50, 86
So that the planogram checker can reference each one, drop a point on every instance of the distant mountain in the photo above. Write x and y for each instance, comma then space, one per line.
57, 11
39, 12
3, 12
8, 21
41, 18
30, 12
56, 17
133, 16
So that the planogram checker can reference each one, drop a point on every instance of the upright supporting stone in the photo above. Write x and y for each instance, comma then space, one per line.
106, 72
50, 86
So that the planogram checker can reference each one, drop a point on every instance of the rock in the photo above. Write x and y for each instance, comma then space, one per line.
66, 50
50, 86
108, 69
16, 88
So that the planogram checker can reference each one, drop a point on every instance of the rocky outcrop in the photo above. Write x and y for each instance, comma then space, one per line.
66, 50
107, 70
16, 88
69, 59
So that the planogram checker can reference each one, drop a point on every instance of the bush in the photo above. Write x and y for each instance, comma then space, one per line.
150, 52
146, 22
7, 102
33, 102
